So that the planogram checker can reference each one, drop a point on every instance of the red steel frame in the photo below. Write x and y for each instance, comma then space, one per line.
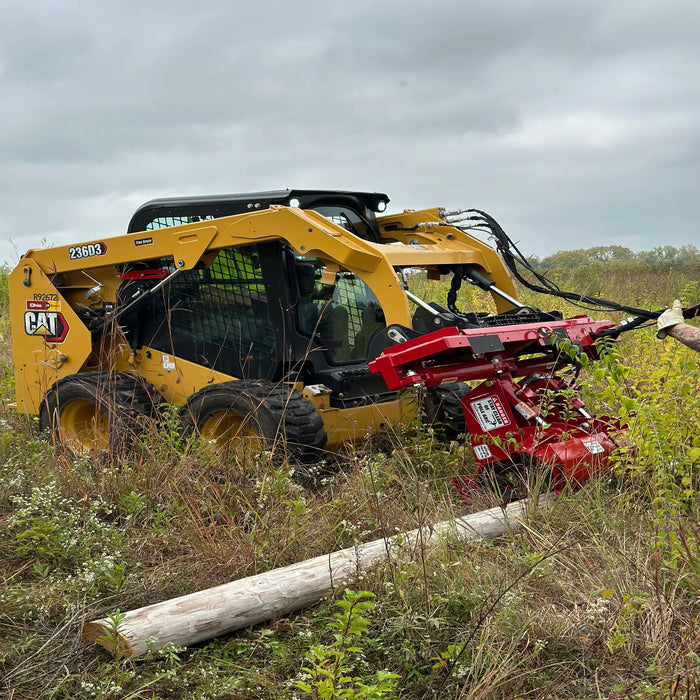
520, 413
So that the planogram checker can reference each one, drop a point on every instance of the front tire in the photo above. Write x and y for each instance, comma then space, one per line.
260, 413
442, 409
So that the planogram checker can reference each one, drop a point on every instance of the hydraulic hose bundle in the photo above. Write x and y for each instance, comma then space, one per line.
516, 262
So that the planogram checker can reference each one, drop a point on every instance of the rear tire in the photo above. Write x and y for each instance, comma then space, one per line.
258, 413
95, 412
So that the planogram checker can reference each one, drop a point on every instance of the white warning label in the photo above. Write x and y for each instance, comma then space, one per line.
482, 451
490, 413
593, 446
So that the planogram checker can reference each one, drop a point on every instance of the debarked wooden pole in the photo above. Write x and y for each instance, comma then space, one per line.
215, 611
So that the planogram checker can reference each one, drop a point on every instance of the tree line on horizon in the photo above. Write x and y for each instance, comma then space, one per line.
667, 256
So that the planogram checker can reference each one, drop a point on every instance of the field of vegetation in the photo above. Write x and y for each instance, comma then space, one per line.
598, 597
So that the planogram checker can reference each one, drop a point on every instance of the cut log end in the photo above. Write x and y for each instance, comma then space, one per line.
114, 642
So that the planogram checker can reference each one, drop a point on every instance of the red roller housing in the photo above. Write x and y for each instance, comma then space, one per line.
521, 414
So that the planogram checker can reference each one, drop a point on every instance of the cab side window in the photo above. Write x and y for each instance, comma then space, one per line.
219, 316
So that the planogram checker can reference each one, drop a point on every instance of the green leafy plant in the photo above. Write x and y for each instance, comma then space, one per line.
660, 401
112, 633
632, 605
333, 669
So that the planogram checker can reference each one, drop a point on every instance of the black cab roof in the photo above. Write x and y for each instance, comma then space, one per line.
180, 210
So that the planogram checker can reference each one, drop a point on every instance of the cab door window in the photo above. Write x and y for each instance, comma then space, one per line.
342, 317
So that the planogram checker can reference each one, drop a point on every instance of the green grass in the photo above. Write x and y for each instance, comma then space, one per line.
597, 598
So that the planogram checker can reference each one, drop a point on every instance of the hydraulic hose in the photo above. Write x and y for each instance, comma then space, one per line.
515, 260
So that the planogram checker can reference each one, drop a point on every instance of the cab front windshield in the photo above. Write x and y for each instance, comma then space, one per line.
348, 219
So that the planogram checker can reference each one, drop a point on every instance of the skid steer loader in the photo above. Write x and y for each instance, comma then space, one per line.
258, 315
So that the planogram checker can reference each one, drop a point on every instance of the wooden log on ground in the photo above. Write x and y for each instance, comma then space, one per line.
215, 611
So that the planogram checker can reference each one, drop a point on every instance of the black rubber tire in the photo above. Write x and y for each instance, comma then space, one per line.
281, 416
442, 409
74, 406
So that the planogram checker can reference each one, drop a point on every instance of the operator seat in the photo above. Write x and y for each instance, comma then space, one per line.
320, 315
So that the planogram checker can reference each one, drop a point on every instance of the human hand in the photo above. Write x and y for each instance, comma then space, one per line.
670, 317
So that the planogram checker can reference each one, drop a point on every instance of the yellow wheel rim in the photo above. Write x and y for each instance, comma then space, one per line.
226, 429
83, 427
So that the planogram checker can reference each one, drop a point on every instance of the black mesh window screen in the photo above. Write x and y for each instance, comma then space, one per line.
167, 221
344, 316
219, 316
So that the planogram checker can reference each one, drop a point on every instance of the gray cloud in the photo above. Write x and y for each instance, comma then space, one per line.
574, 123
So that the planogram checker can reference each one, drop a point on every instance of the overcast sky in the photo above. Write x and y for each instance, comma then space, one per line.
575, 123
